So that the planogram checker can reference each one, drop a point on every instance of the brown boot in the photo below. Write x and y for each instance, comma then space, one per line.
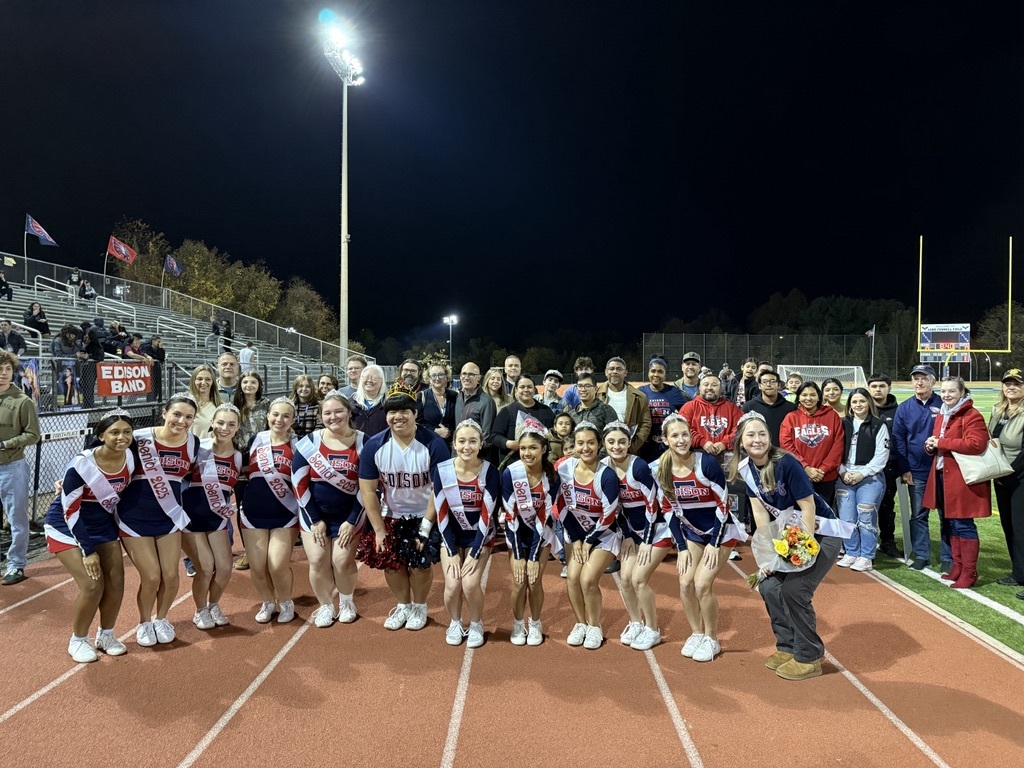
969, 567
777, 659
955, 544
797, 670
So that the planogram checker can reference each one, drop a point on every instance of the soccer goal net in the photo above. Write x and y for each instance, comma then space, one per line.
850, 375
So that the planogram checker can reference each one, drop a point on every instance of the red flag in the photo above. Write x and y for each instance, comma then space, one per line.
119, 250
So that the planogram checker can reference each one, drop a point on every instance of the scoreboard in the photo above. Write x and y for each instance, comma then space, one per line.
943, 339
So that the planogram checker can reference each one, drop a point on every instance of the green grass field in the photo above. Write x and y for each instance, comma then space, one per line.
993, 564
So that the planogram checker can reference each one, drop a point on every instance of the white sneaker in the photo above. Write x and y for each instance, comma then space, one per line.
647, 639
862, 564
691, 644
110, 645
577, 635
164, 631
218, 615
535, 636
631, 632
595, 636
145, 635
265, 613
846, 561
454, 634
565, 572
81, 651
475, 636
707, 650
346, 611
324, 616
417, 616
203, 619
518, 636
286, 611
397, 618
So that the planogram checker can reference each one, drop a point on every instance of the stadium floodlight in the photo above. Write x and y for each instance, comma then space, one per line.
350, 70
451, 321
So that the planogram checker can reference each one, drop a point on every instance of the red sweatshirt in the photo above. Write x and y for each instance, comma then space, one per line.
714, 422
816, 440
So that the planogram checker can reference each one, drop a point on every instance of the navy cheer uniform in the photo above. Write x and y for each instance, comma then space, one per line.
76, 518
465, 510
333, 501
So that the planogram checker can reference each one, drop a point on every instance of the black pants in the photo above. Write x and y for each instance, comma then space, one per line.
1010, 500
887, 507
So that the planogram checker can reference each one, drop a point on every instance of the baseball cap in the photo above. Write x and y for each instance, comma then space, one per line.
691, 356
556, 373
927, 370
1013, 374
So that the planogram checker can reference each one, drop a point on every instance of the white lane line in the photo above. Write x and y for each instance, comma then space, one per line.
692, 754
455, 722
889, 715
67, 675
33, 597
233, 710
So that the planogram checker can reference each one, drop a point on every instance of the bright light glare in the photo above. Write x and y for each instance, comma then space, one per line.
451, 320
336, 35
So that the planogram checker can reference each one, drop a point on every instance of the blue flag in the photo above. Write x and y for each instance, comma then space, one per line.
172, 266
33, 227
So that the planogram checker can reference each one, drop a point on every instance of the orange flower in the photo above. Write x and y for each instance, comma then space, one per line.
795, 559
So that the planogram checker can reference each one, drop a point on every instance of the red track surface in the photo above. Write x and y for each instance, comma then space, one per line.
360, 695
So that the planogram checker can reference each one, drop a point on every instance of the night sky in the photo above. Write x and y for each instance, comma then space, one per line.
624, 162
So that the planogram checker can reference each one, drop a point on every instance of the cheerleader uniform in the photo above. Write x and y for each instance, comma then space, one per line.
469, 523
262, 506
197, 505
529, 513
140, 512
588, 511
76, 518
334, 500
640, 519
698, 511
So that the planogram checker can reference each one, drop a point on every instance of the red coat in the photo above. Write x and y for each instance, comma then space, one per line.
818, 440
965, 433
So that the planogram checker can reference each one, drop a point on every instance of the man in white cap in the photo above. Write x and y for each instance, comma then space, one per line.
690, 381
549, 394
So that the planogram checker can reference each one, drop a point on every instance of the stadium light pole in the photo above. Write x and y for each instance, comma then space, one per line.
350, 71
451, 321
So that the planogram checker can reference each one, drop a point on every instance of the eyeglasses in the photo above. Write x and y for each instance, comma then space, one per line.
438, 376
585, 386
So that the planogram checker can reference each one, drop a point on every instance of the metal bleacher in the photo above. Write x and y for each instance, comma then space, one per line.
182, 323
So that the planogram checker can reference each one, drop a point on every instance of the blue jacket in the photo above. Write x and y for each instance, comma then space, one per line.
911, 426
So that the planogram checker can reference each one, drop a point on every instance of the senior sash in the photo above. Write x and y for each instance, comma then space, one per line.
85, 465
826, 526
309, 447
732, 529
212, 487
263, 452
452, 494
149, 457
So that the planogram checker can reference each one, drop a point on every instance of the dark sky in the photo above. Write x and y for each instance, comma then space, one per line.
661, 158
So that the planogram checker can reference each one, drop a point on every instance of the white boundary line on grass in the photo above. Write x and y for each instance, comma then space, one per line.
238, 703
69, 674
692, 754
887, 713
451, 742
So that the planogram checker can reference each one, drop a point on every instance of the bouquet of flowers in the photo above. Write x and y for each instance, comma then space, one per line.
783, 546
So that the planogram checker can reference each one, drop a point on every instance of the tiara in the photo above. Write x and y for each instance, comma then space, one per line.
613, 425
227, 407
334, 393
751, 416
586, 425
472, 424
117, 412
183, 396
282, 399
399, 389
529, 425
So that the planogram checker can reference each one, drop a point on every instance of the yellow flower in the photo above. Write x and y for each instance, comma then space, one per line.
781, 547
812, 546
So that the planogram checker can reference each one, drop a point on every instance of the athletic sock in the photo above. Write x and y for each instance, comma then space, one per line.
105, 632
76, 638
346, 598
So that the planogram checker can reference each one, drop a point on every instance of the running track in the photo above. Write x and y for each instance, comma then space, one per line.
902, 686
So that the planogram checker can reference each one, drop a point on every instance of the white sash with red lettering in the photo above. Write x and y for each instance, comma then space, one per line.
309, 447
522, 495
157, 478
826, 526
85, 466
212, 488
452, 494
279, 485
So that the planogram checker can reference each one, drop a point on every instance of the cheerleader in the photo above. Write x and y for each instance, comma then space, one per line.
588, 505
398, 462
207, 501
692, 494
777, 485
150, 516
81, 531
529, 490
466, 490
642, 528
270, 513
325, 476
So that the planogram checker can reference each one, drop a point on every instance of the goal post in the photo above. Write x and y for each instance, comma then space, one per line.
850, 375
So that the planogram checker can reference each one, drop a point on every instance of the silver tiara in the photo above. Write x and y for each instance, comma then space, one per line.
586, 425
751, 416
672, 418
613, 425
117, 412
183, 396
472, 424
282, 399
227, 407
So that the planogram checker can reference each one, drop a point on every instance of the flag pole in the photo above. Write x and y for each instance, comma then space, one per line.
24, 254
105, 257
873, 332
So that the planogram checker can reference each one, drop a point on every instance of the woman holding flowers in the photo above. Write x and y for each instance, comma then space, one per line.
778, 486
